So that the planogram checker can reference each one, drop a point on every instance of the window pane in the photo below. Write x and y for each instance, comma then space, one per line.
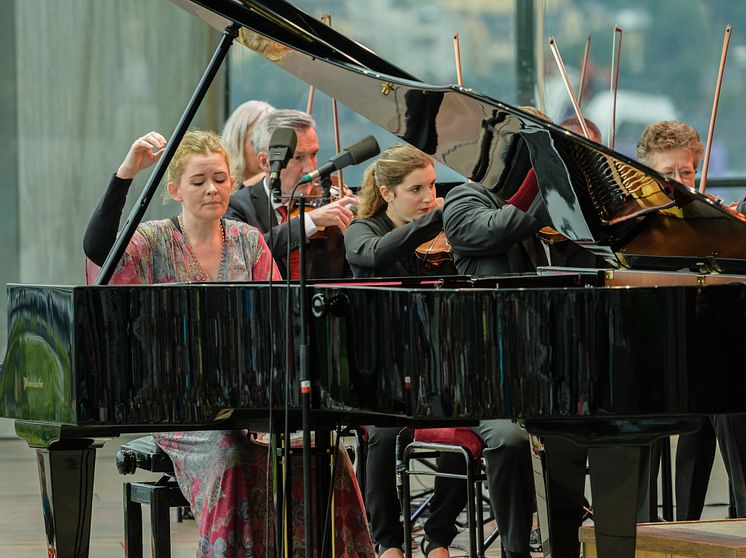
669, 63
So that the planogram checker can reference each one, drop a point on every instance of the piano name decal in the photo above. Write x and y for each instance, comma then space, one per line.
32, 383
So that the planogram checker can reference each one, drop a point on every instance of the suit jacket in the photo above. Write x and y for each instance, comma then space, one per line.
491, 237
742, 206
325, 256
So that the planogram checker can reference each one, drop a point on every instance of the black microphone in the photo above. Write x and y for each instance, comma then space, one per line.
358, 152
281, 148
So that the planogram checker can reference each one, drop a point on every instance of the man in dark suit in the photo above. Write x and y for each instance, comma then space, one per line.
325, 253
493, 232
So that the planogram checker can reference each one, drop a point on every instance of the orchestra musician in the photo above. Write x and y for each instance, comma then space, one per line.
221, 473
491, 235
238, 140
250, 204
398, 211
674, 149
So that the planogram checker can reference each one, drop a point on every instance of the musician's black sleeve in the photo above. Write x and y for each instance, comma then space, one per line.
742, 207
477, 224
101, 232
365, 246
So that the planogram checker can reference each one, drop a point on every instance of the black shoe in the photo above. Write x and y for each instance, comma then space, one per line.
427, 545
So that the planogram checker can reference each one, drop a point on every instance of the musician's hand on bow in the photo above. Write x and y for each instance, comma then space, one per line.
335, 214
143, 153
439, 202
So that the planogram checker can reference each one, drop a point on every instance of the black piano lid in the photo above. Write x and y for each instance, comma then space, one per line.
601, 199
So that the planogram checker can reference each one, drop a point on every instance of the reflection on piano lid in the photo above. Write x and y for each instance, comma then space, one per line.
601, 199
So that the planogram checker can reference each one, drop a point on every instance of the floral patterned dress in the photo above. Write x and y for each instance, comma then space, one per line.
224, 474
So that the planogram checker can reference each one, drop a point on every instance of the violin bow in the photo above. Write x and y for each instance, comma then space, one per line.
616, 53
457, 54
327, 18
711, 131
583, 68
568, 87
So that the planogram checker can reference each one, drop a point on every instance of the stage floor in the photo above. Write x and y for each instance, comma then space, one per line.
21, 526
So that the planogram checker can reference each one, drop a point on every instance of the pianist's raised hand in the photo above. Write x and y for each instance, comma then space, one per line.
143, 153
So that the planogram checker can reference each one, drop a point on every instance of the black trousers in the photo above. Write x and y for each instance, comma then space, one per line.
510, 481
382, 501
694, 457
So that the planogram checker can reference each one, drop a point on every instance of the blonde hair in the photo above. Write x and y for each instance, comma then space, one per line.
194, 142
238, 130
668, 135
390, 170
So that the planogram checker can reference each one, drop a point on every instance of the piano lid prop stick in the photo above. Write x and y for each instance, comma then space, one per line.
457, 54
616, 53
561, 66
583, 68
327, 18
711, 131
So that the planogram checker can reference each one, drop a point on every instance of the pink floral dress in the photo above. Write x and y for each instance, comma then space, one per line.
224, 474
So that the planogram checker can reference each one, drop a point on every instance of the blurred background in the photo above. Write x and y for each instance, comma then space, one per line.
82, 78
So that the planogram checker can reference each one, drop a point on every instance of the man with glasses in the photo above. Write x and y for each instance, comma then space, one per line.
674, 149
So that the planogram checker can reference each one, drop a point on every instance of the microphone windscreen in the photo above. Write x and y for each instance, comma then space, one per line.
284, 137
363, 149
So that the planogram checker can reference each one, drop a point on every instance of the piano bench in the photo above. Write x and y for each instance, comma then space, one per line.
429, 443
161, 496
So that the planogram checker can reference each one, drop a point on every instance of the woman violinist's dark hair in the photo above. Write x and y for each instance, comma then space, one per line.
394, 164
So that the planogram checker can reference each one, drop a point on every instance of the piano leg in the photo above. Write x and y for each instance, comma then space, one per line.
559, 473
66, 478
615, 479
559, 480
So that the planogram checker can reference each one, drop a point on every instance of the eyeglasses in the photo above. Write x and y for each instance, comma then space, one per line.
680, 174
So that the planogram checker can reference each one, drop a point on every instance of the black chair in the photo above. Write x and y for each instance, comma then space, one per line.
161, 496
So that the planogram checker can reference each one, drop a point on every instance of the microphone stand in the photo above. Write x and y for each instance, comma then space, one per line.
305, 380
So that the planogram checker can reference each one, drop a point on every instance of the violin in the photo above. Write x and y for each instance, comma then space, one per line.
322, 192
436, 251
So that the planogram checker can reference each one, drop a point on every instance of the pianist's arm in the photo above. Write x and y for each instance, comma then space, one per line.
478, 224
101, 232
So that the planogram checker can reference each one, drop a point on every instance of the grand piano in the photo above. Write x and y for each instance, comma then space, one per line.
611, 358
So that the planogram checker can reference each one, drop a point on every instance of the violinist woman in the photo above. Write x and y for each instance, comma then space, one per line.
398, 212
222, 473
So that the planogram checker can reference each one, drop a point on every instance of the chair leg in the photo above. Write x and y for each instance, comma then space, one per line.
471, 510
403, 480
480, 518
132, 524
160, 527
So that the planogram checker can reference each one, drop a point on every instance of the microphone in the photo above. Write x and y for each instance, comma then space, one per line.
358, 152
281, 148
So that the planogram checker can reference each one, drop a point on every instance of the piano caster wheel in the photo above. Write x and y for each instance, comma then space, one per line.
321, 304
